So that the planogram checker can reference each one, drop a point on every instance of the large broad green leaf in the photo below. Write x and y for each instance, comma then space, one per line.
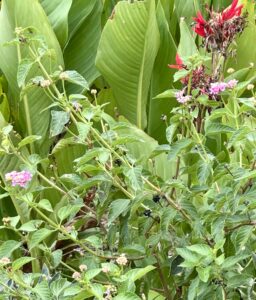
186, 9
84, 36
126, 56
57, 12
161, 79
27, 116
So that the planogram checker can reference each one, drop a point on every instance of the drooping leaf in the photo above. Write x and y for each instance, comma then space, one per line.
161, 78
126, 55
84, 34
57, 12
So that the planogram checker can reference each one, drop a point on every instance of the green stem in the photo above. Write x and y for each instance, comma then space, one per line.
26, 106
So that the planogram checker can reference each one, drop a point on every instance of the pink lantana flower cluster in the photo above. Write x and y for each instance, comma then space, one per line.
218, 87
18, 178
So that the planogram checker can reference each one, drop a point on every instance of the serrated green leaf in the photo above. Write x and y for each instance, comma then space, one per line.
8, 247
38, 236
204, 273
45, 204
76, 78
117, 207
42, 290
83, 130
216, 128
232, 260
90, 274
23, 69
134, 177
138, 273
68, 210
58, 122
192, 291
189, 255
31, 225
97, 290
178, 147
20, 262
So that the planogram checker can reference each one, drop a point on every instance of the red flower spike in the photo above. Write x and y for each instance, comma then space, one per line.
179, 63
233, 11
200, 24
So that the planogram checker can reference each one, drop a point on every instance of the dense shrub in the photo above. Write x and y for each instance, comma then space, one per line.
120, 178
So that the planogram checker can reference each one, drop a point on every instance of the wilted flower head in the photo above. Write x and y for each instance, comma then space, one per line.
122, 260
250, 87
76, 275
18, 178
83, 268
221, 28
63, 76
105, 269
4, 261
45, 83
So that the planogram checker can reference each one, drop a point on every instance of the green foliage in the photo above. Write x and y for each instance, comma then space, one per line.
142, 188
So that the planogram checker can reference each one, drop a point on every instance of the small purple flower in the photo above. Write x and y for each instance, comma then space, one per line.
181, 98
19, 178
218, 87
232, 83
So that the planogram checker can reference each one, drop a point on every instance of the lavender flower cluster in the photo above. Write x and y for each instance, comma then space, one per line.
18, 178
218, 87
181, 98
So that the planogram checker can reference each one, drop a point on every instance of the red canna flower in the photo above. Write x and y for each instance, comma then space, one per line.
179, 63
200, 27
231, 12
221, 28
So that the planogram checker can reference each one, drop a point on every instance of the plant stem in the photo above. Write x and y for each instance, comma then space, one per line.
26, 106
162, 277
